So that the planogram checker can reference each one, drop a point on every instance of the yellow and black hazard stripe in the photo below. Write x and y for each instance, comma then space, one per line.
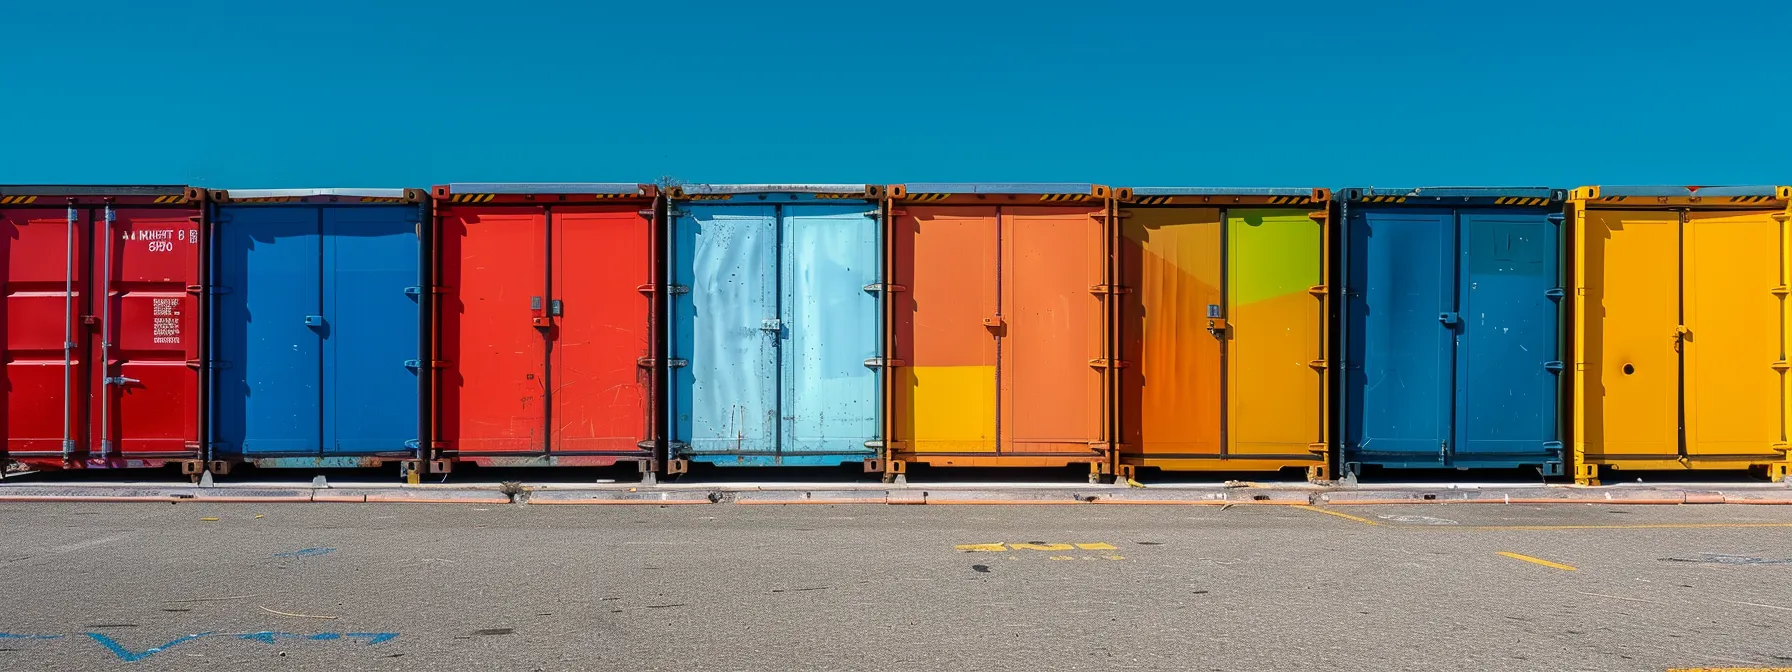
381, 199
1384, 199
471, 198
926, 198
1520, 200
1289, 200
840, 196
17, 200
262, 199
1611, 199
1063, 198
1154, 200
172, 199
708, 197
1752, 199
613, 196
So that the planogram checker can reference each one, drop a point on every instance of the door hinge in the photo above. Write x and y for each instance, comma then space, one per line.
678, 289
413, 291
1553, 366
1554, 293
874, 443
675, 212
1552, 445
1318, 364
1109, 289
1104, 363
648, 288
873, 215
649, 444
877, 287
1318, 447
645, 214
1781, 366
1780, 217
880, 362
676, 363
413, 444
195, 289
1780, 291
1556, 217
418, 363
1319, 290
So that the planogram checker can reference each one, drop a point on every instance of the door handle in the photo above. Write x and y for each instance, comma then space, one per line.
537, 318
121, 380
993, 322
1449, 319
1217, 327
314, 320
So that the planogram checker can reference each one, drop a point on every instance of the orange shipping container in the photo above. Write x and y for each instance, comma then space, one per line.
1001, 325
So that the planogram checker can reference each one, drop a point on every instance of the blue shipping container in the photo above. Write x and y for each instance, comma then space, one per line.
777, 324
1452, 328
316, 327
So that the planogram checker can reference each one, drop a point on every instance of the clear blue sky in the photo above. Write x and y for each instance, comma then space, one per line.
1249, 92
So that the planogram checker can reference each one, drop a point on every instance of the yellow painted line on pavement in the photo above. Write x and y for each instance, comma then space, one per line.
1730, 669
1638, 526
1339, 514
1540, 561
982, 548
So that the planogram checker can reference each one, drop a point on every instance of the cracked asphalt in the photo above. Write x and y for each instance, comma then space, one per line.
200, 586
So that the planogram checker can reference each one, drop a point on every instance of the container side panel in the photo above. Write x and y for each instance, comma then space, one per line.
370, 258
601, 394
830, 400
1275, 332
728, 329
1170, 398
1732, 265
1052, 396
493, 393
947, 257
1632, 302
270, 326
1401, 287
153, 334
1506, 400
39, 310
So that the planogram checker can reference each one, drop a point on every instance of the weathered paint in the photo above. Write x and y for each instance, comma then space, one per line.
780, 328
316, 339
1708, 390
1222, 330
126, 393
1002, 329
1452, 326
544, 323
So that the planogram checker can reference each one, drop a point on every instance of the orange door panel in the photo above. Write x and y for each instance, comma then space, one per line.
1051, 394
946, 327
1170, 401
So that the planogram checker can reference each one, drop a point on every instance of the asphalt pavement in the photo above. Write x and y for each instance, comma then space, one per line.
268, 586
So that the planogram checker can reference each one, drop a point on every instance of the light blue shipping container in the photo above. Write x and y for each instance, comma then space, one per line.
776, 329
1452, 329
315, 321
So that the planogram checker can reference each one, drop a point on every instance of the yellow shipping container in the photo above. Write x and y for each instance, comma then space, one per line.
1680, 328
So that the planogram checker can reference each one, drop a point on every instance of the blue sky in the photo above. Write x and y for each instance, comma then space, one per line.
1266, 93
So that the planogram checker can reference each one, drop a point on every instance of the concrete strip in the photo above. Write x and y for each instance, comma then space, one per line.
623, 497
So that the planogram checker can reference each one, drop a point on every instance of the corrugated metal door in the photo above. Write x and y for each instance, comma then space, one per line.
948, 258
1171, 258
370, 336
1051, 392
150, 332
494, 397
1273, 333
600, 389
270, 326
728, 328
833, 325
1631, 260
1403, 320
1507, 354
46, 290
1734, 335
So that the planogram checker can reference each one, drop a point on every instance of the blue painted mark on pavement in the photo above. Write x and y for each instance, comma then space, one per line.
305, 553
130, 656
8, 635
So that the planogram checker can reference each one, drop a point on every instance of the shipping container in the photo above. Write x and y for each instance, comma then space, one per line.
1223, 329
102, 326
776, 330
317, 328
545, 329
1002, 302
1680, 329
1452, 335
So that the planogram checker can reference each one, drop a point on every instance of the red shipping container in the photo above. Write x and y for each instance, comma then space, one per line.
545, 334
139, 407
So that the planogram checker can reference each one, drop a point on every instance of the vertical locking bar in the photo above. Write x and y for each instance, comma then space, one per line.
105, 358
68, 335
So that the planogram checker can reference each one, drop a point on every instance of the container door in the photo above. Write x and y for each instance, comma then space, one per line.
494, 396
1274, 333
728, 329
833, 325
946, 328
1633, 296
152, 331
46, 289
1051, 394
1171, 259
1507, 360
601, 400
1403, 325
1733, 264
370, 346
270, 328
